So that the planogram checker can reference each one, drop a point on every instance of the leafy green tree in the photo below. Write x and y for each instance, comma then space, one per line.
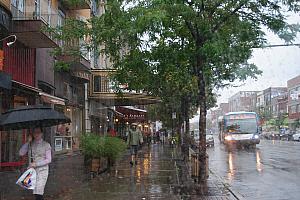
213, 41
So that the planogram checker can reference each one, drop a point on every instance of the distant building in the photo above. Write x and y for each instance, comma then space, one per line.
253, 101
260, 103
279, 105
216, 113
294, 101
242, 101
269, 102
224, 108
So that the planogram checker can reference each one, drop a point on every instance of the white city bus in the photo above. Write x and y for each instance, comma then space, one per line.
240, 128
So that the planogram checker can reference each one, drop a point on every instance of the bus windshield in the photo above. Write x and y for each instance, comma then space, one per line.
241, 125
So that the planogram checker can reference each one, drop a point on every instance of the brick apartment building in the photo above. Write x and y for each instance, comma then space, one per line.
294, 101
273, 97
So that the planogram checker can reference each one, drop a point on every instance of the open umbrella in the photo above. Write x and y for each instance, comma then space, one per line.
26, 117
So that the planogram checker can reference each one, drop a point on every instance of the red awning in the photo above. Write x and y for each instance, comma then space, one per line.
132, 114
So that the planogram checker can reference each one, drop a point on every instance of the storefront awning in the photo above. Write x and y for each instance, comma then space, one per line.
118, 114
26, 87
134, 109
132, 114
51, 99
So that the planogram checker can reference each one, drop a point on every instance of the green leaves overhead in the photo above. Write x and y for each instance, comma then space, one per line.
176, 48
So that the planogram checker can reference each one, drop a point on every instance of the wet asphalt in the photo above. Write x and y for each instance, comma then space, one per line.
271, 171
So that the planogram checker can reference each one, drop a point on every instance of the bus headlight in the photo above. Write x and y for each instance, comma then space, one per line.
228, 137
256, 136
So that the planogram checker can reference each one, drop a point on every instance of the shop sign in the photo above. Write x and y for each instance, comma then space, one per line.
82, 75
132, 116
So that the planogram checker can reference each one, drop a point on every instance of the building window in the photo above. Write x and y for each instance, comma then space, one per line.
21, 6
14, 3
293, 109
60, 23
97, 83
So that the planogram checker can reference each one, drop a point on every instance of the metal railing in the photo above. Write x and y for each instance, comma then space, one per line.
107, 86
49, 17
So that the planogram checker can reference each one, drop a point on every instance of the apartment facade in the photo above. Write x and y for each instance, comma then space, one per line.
27, 67
242, 101
271, 96
294, 102
105, 108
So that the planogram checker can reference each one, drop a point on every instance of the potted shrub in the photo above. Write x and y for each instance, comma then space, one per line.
101, 152
113, 149
92, 149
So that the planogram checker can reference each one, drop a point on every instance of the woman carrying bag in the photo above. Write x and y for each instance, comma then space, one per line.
39, 154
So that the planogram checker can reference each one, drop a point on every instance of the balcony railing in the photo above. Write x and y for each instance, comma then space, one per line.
30, 28
78, 5
48, 18
101, 87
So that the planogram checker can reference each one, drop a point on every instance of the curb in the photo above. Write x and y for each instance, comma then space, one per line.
237, 195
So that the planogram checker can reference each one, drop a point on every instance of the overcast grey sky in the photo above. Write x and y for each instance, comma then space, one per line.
278, 65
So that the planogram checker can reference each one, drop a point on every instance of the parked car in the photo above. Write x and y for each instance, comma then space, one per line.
210, 140
296, 136
275, 136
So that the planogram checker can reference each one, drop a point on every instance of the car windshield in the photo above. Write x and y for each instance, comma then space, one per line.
241, 126
208, 136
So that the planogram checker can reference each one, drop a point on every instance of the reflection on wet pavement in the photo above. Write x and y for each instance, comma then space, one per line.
151, 178
269, 171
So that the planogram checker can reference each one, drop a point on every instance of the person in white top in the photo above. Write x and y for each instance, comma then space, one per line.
39, 154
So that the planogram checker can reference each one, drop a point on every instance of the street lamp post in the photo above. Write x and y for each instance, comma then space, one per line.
10, 43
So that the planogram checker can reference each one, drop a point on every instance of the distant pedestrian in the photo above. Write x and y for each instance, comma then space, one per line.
111, 132
133, 140
158, 136
166, 136
39, 154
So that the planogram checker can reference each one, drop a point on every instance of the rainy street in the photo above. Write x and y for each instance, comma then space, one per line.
271, 171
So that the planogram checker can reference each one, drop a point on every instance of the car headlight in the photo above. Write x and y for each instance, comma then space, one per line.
228, 137
256, 136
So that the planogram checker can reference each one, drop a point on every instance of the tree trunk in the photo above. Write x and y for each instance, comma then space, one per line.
185, 112
203, 173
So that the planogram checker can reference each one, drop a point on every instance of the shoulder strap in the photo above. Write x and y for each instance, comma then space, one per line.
31, 156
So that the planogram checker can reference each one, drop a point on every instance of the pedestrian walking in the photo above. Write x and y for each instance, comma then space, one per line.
158, 137
39, 154
111, 132
134, 140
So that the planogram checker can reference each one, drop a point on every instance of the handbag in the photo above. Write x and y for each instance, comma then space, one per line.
28, 179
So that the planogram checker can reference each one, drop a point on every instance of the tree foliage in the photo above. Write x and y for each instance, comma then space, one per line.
180, 47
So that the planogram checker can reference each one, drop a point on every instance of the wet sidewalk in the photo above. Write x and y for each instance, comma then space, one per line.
159, 174
152, 178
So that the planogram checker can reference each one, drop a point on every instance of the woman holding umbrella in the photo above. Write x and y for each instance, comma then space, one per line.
39, 154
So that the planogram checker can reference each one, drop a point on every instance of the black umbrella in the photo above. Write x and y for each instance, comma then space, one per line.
26, 117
